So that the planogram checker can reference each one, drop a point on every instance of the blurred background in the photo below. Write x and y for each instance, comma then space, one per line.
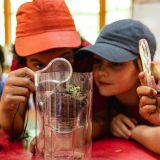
89, 15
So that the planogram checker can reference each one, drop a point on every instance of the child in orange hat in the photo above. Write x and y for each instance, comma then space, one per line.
45, 30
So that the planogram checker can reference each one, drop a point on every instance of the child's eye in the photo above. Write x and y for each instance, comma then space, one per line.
96, 61
117, 64
70, 59
39, 66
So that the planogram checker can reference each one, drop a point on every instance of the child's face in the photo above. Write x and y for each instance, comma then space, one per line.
40, 60
113, 79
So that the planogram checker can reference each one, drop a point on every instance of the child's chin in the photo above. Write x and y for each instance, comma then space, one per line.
105, 93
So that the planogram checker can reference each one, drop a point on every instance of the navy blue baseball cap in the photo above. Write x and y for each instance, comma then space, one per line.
119, 41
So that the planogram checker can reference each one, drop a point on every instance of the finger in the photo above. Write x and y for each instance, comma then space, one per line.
148, 109
120, 126
14, 100
129, 123
142, 79
125, 130
117, 134
144, 100
117, 131
134, 121
20, 81
18, 91
146, 91
23, 72
33, 146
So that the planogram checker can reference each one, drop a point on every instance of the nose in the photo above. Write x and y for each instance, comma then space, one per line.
103, 69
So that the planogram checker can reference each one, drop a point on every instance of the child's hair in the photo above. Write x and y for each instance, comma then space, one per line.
19, 59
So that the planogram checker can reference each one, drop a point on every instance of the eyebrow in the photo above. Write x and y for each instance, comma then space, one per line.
34, 60
67, 53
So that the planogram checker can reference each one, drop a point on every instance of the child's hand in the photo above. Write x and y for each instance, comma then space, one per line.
37, 145
149, 102
32, 146
17, 89
148, 106
121, 126
13, 106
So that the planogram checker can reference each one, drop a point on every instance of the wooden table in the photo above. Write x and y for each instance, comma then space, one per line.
106, 149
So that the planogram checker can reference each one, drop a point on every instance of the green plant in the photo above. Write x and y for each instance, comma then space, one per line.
74, 90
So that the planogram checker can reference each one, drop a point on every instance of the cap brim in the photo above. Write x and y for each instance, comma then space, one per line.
109, 52
29, 45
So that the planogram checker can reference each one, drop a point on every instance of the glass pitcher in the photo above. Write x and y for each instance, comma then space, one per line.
63, 105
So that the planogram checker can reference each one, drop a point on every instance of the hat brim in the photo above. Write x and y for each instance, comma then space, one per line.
29, 45
110, 52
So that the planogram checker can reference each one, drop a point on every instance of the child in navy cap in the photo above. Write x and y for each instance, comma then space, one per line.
115, 70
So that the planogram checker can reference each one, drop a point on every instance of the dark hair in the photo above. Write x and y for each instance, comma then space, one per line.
1, 57
20, 60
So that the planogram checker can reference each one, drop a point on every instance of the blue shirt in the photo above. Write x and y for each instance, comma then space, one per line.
4, 77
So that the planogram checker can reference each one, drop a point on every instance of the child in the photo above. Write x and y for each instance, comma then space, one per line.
116, 72
45, 30
149, 105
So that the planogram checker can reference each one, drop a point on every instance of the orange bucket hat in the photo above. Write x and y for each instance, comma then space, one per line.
43, 25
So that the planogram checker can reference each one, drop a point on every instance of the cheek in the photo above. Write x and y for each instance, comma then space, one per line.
127, 82
95, 75
29, 65
32, 67
71, 60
